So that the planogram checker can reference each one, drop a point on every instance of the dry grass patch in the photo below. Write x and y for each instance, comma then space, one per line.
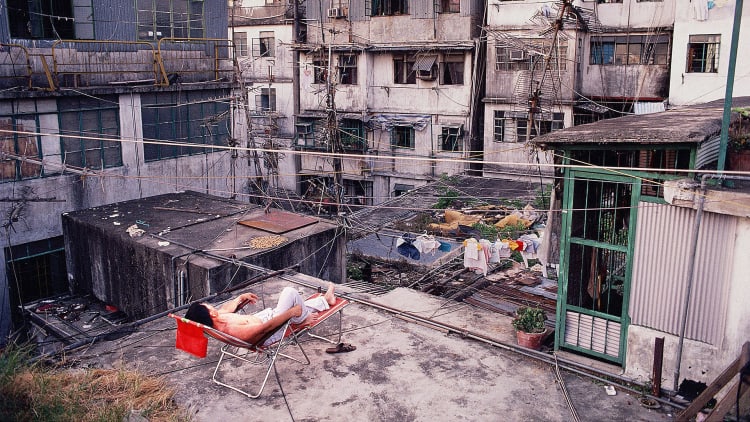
31, 393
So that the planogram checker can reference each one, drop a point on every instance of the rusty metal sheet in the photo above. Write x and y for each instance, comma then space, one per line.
279, 222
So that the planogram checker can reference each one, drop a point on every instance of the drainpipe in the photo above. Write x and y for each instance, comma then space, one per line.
690, 277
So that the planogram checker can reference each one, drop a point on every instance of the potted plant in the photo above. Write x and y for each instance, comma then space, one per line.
738, 153
529, 325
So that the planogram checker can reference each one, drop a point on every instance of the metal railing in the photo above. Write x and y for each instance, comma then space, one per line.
89, 63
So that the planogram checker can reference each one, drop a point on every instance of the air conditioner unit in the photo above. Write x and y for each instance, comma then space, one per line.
335, 12
517, 54
427, 75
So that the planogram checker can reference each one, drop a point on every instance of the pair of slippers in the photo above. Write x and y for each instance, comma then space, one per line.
341, 348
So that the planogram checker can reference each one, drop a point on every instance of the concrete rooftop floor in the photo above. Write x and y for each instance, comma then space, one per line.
401, 371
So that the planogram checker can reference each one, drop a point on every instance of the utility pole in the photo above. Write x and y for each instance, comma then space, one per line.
334, 138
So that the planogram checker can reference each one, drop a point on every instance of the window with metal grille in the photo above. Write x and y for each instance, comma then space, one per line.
499, 125
93, 129
531, 54
452, 69
264, 45
37, 269
450, 6
169, 19
265, 101
403, 69
348, 69
240, 43
703, 54
630, 50
451, 138
320, 70
184, 119
352, 134
402, 137
540, 126
50, 19
19, 145
387, 7
306, 132
357, 192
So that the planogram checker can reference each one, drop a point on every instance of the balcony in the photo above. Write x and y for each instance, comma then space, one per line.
81, 64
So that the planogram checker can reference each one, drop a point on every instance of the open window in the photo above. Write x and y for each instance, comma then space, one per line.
263, 46
403, 69
452, 69
348, 69
50, 19
386, 7
425, 67
451, 138
265, 101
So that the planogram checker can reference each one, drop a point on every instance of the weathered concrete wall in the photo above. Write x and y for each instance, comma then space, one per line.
632, 81
700, 361
41, 219
694, 88
257, 68
203, 254
634, 13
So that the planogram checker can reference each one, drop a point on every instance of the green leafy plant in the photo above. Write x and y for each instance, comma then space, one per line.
529, 320
739, 131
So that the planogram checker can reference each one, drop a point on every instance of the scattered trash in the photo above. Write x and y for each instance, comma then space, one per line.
649, 403
610, 390
134, 231
116, 223
163, 243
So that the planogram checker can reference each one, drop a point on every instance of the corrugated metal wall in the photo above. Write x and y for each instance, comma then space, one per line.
421, 9
660, 270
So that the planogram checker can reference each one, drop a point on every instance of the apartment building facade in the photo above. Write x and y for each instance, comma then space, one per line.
263, 36
401, 79
557, 64
701, 50
101, 102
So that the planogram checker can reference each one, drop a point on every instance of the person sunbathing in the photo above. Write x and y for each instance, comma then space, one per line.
253, 327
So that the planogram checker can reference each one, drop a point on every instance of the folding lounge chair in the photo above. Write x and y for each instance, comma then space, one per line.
191, 338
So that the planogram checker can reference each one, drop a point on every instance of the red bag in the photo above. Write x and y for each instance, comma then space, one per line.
190, 338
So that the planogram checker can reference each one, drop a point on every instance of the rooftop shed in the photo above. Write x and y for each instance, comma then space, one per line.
149, 255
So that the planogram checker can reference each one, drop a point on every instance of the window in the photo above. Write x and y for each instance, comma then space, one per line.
26, 146
264, 45
452, 70
630, 50
240, 43
96, 121
50, 19
305, 132
401, 189
403, 69
320, 70
266, 100
348, 69
451, 138
358, 192
450, 6
387, 7
169, 19
402, 137
541, 125
499, 132
184, 118
533, 56
352, 134
38, 269
703, 54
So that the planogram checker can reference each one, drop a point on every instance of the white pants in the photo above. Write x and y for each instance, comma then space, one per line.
288, 299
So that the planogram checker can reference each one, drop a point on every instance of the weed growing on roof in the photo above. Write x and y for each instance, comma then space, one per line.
32, 392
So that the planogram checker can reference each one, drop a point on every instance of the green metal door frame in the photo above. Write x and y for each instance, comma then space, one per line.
567, 240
